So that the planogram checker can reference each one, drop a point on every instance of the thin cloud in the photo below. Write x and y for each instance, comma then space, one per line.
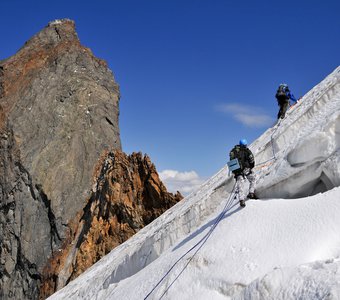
251, 120
250, 116
184, 182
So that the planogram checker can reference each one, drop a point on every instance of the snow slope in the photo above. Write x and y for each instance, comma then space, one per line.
284, 246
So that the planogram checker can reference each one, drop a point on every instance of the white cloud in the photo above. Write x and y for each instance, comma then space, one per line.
250, 116
256, 121
184, 182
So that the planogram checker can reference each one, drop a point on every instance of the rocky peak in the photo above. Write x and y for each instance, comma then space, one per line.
68, 193
59, 108
54, 38
55, 33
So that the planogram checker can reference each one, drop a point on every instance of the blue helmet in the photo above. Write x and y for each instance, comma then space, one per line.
243, 142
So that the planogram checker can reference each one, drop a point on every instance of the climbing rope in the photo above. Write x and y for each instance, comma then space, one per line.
269, 161
200, 243
264, 164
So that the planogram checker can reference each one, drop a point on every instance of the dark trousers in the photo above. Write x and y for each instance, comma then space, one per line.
283, 104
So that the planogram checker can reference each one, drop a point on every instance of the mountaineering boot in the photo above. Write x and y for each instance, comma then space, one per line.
252, 196
242, 203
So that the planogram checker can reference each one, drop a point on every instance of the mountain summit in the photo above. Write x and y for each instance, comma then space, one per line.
286, 245
59, 111
68, 193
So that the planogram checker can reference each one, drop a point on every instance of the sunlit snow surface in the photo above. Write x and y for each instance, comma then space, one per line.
284, 246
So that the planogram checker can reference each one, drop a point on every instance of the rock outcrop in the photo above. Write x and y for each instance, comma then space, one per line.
59, 108
127, 195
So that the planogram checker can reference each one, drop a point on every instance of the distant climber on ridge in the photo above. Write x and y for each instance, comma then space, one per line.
243, 170
283, 96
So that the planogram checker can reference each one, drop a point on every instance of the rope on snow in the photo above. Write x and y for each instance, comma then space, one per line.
200, 243
266, 163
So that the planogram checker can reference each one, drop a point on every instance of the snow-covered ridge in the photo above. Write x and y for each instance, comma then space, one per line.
306, 150
248, 243
146, 246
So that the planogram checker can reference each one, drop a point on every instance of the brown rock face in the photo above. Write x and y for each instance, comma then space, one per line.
59, 108
62, 105
58, 113
128, 195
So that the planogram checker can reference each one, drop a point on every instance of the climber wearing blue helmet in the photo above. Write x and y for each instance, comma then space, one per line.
246, 162
283, 96
243, 142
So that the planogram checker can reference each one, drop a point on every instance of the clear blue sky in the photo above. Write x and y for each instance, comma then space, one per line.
193, 73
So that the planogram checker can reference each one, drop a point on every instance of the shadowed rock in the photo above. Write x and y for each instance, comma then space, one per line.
68, 195
127, 195
58, 113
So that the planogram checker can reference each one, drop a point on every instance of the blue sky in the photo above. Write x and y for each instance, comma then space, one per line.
195, 76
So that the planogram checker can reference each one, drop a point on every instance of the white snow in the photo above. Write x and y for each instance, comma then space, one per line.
59, 21
284, 246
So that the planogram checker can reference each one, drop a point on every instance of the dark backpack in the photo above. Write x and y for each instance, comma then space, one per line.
243, 155
282, 92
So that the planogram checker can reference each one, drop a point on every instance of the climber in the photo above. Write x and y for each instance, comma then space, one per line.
246, 163
283, 96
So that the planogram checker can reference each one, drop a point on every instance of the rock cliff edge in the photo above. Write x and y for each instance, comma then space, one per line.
68, 195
